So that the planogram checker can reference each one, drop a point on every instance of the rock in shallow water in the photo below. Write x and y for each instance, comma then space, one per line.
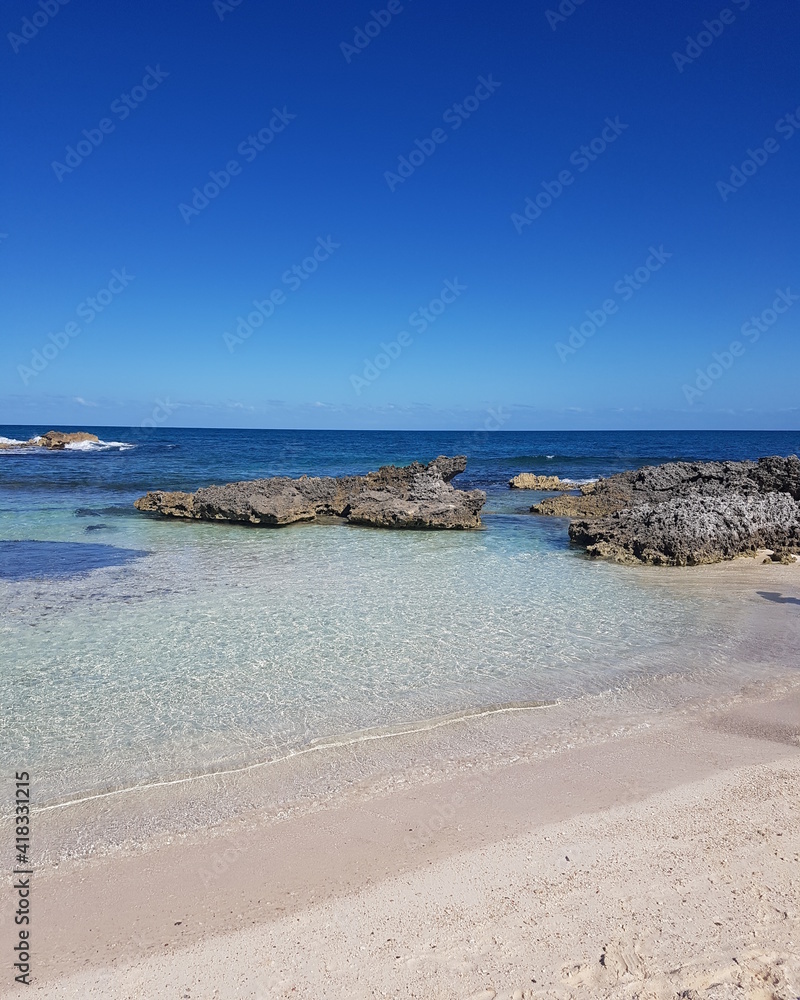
656, 483
687, 513
530, 481
691, 530
416, 496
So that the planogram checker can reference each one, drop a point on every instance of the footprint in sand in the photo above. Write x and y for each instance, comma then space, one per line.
618, 959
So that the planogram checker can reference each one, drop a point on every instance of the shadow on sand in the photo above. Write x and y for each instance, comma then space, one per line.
777, 598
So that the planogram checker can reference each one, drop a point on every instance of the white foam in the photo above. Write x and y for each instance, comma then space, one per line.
71, 446
98, 445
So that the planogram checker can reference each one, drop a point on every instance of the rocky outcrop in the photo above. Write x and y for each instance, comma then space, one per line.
59, 439
53, 440
530, 481
415, 496
657, 483
690, 530
687, 513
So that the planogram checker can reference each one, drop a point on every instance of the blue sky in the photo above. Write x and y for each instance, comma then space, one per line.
389, 161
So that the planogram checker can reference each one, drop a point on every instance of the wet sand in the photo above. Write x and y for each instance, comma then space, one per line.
668, 860
655, 855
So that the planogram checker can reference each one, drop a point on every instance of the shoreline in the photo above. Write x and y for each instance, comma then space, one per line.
201, 893
746, 576
156, 884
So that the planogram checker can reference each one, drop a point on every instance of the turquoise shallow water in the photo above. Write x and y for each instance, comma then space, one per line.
135, 648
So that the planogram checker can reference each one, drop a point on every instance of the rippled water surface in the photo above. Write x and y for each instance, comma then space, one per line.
135, 648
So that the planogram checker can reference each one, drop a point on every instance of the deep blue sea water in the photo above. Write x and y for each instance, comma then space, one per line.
136, 648
190, 458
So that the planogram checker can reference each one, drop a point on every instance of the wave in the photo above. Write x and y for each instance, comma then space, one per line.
16, 447
353, 738
98, 445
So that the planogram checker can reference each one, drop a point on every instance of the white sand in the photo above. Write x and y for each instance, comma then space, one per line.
691, 891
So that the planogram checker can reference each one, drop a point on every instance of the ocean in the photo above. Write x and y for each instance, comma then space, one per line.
138, 650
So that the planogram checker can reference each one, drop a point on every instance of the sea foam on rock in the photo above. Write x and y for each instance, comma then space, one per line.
415, 496
53, 440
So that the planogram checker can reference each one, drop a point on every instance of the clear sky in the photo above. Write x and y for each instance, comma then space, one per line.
423, 198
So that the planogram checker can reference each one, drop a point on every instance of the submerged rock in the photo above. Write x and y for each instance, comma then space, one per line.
415, 496
689, 531
530, 481
54, 440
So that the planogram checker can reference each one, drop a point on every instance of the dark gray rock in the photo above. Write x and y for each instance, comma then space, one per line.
656, 483
415, 496
695, 529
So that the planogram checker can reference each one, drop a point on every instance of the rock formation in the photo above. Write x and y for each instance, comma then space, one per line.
656, 483
688, 531
530, 481
54, 440
687, 513
416, 496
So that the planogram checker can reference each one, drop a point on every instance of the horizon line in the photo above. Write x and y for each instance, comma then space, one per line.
418, 430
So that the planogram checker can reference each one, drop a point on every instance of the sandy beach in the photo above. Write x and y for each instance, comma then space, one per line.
662, 864
400, 501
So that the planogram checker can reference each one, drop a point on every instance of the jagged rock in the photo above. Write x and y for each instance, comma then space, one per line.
781, 556
656, 483
170, 504
778, 475
690, 530
416, 496
54, 440
530, 481
686, 513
